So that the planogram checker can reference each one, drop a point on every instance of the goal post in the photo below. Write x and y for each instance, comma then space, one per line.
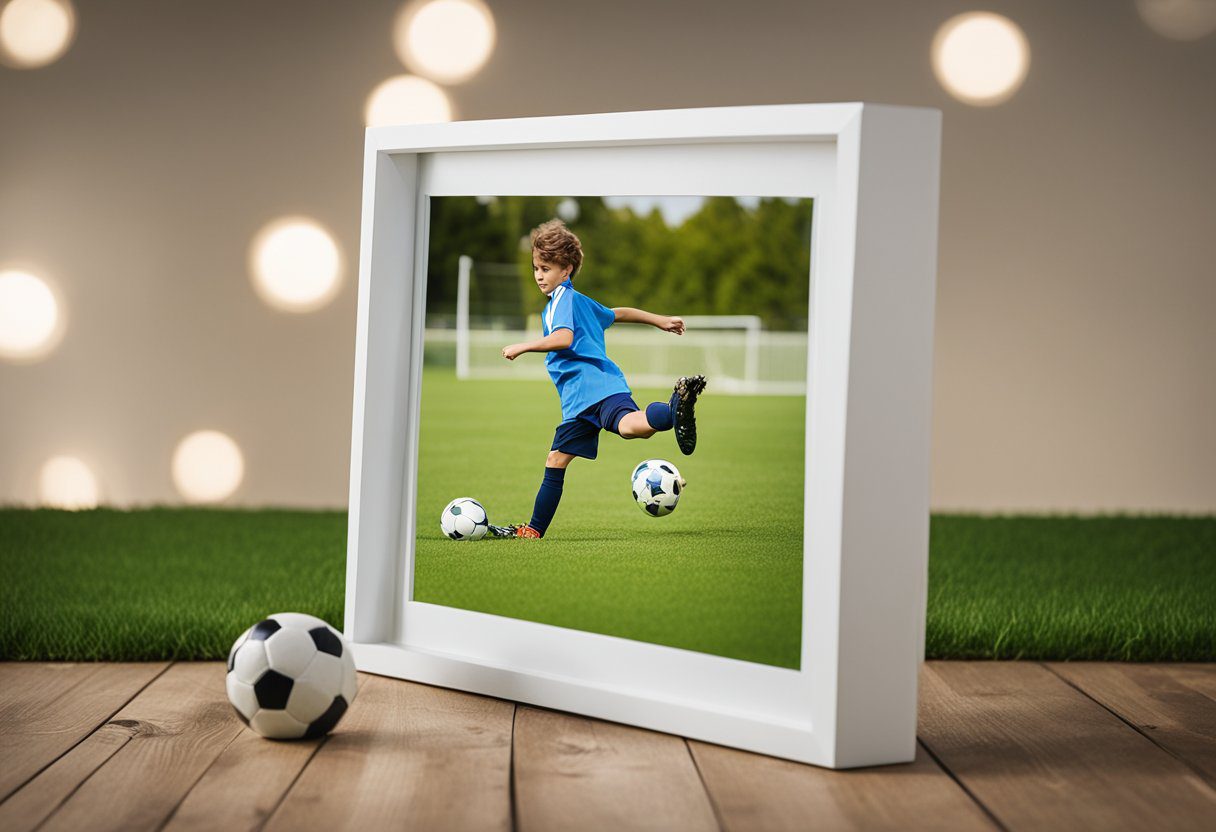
735, 351
751, 326
462, 316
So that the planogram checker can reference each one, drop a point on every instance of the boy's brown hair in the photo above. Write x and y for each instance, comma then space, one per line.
553, 242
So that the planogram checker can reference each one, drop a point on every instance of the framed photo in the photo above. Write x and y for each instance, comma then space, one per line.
781, 607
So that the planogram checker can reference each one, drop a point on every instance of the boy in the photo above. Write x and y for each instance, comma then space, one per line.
593, 390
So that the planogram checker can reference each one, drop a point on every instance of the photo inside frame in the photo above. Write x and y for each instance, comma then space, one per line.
721, 573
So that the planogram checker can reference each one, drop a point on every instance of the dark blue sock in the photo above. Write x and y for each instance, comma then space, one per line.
660, 415
547, 498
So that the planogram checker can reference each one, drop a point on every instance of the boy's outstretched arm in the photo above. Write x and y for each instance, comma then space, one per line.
559, 339
629, 315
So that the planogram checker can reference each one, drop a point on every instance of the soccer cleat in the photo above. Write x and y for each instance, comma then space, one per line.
520, 530
685, 397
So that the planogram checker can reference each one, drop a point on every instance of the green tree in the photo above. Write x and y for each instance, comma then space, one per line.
460, 225
726, 259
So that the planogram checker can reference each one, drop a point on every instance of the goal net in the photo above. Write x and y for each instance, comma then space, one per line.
734, 351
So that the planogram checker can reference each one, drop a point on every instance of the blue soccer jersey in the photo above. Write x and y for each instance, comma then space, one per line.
583, 372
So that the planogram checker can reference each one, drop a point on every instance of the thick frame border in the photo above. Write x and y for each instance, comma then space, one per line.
873, 172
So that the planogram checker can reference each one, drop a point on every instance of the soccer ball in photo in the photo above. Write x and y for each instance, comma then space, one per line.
656, 486
464, 519
291, 675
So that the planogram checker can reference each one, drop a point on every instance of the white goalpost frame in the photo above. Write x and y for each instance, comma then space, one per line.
872, 171
462, 316
751, 326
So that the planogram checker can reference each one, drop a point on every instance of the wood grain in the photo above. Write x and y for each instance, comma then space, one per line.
34, 803
577, 773
45, 709
246, 782
408, 756
244, 785
1160, 702
176, 728
1039, 754
1038, 751
1201, 677
754, 792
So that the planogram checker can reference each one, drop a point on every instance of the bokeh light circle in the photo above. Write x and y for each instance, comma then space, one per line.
980, 58
34, 33
568, 209
30, 319
66, 482
1179, 19
295, 264
207, 466
407, 99
448, 41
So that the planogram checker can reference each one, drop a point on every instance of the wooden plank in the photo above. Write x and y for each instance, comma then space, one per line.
577, 773
46, 708
408, 756
754, 792
244, 785
1201, 677
34, 803
246, 782
175, 729
1159, 701
1040, 754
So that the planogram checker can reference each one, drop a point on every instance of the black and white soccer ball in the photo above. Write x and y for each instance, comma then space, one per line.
657, 485
291, 675
464, 519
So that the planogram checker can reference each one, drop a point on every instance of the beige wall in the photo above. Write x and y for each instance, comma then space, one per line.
1076, 343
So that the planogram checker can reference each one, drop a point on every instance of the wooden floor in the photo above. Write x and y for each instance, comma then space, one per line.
1003, 746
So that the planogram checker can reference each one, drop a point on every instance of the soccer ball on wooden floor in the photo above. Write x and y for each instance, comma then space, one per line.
291, 675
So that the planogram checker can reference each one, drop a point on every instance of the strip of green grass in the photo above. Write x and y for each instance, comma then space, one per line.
1111, 588
183, 583
160, 583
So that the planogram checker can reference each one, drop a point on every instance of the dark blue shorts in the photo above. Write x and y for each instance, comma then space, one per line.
581, 435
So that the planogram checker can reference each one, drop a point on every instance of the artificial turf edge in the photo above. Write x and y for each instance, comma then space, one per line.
181, 583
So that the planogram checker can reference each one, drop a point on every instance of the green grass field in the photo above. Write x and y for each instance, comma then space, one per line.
184, 582
722, 574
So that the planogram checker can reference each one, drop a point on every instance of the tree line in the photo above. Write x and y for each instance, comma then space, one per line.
725, 259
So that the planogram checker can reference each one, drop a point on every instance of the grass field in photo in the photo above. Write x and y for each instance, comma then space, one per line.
722, 574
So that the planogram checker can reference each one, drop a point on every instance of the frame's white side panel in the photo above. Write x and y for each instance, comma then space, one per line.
382, 363
702, 680
414, 328
885, 539
831, 299
809, 122
789, 168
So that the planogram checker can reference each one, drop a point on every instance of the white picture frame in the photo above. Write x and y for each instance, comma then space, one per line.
872, 171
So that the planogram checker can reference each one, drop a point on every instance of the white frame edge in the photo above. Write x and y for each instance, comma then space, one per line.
874, 252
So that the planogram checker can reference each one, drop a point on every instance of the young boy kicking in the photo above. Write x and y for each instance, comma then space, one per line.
593, 390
